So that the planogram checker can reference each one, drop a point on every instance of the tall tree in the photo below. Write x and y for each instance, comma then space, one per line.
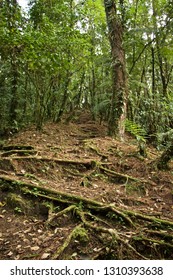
119, 78
10, 24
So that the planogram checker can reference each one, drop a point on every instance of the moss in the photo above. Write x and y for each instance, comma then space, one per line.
139, 189
81, 235
18, 203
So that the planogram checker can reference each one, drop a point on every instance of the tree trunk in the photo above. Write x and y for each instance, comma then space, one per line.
119, 89
12, 7
14, 89
158, 47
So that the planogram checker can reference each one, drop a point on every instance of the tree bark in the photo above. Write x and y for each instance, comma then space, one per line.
12, 7
119, 78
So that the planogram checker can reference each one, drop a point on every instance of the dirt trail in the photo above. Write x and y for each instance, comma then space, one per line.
79, 159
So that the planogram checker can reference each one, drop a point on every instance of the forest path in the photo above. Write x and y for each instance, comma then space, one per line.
80, 160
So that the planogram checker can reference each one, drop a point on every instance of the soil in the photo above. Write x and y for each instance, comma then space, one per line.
79, 159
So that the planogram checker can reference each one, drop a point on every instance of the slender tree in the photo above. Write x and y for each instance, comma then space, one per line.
13, 18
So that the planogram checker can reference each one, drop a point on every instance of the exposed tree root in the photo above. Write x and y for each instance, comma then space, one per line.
17, 147
155, 241
94, 149
114, 234
108, 220
87, 163
66, 243
53, 216
162, 234
158, 221
65, 198
19, 153
112, 209
74, 199
119, 177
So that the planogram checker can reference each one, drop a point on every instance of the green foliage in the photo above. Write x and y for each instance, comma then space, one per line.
57, 58
164, 139
18, 210
136, 130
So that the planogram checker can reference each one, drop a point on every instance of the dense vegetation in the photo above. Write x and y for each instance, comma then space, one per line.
56, 59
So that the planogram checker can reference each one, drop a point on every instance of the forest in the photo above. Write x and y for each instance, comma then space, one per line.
86, 130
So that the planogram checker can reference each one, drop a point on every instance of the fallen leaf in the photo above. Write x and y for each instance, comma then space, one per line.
45, 256
2, 204
35, 248
10, 254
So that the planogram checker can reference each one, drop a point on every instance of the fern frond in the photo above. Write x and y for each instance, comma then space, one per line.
136, 130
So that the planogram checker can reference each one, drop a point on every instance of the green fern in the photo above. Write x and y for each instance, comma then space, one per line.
102, 105
136, 130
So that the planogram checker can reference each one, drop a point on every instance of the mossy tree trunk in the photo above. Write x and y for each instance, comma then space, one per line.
119, 77
12, 14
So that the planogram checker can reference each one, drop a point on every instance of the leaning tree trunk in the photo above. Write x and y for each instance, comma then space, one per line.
119, 89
